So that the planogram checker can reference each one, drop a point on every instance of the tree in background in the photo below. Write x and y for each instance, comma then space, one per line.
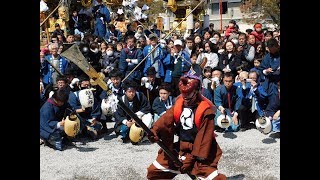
156, 7
258, 10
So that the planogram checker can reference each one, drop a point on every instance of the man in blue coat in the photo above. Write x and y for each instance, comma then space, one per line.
102, 17
89, 115
49, 73
155, 59
254, 101
112, 35
52, 118
227, 99
270, 68
175, 62
130, 57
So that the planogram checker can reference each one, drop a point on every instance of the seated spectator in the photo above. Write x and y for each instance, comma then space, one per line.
212, 58
115, 87
139, 33
150, 84
229, 60
163, 102
138, 103
256, 63
52, 119
227, 99
88, 109
243, 75
254, 100
206, 81
273, 110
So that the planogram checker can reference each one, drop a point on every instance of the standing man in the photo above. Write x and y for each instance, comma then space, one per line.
101, 15
175, 62
49, 73
270, 68
189, 46
76, 24
130, 57
155, 59
210, 29
197, 29
246, 52
112, 35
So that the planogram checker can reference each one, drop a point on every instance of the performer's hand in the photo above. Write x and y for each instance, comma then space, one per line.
188, 162
94, 122
153, 137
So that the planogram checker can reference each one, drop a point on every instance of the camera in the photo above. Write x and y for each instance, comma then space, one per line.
248, 80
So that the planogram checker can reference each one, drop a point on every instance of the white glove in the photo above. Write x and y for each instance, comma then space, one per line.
148, 86
143, 80
102, 20
74, 81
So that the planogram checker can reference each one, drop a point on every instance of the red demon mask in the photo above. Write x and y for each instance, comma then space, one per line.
189, 89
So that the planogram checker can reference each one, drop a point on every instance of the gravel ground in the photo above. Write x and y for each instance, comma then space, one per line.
246, 155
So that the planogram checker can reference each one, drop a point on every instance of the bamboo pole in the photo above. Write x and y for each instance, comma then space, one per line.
60, 3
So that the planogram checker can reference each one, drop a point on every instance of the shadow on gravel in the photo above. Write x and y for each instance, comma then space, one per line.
110, 130
236, 177
275, 135
269, 140
229, 135
86, 149
79, 148
82, 177
109, 137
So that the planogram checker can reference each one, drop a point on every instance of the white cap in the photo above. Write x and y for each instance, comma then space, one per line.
177, 42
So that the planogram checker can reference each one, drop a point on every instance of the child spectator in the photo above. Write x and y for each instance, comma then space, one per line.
256, 63
231, 28
258, 33
206, 82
